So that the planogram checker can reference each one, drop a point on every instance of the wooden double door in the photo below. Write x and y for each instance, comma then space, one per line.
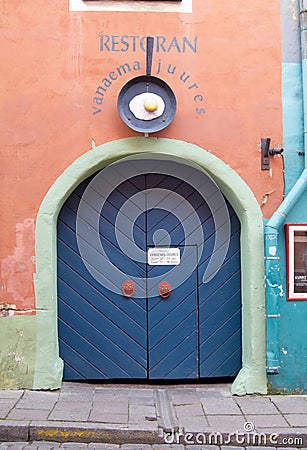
145, 229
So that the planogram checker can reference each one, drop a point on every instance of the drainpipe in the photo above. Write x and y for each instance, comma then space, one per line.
274, 285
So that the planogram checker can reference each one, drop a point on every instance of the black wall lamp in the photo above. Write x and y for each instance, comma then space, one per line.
266, 152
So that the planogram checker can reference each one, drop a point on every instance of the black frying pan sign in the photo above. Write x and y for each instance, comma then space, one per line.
146, 103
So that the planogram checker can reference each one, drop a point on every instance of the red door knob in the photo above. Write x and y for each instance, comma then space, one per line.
164, 289
128, 288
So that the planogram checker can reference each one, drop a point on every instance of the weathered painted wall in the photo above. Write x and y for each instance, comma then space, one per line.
62, 74
292, 333
292, 376
17, 351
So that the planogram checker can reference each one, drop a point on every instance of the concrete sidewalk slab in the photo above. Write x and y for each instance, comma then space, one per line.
154, 414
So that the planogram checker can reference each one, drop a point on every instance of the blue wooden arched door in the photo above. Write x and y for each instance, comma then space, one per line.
149, 221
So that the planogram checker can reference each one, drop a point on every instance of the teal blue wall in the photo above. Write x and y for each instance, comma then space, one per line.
292, 376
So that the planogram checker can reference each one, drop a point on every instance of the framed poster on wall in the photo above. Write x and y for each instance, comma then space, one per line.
296, 242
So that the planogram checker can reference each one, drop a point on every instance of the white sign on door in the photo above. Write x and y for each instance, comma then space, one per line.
163, 256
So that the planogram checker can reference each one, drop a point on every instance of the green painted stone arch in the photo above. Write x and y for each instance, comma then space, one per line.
48, 365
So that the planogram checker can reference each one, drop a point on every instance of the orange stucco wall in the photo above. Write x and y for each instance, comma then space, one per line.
53, 61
